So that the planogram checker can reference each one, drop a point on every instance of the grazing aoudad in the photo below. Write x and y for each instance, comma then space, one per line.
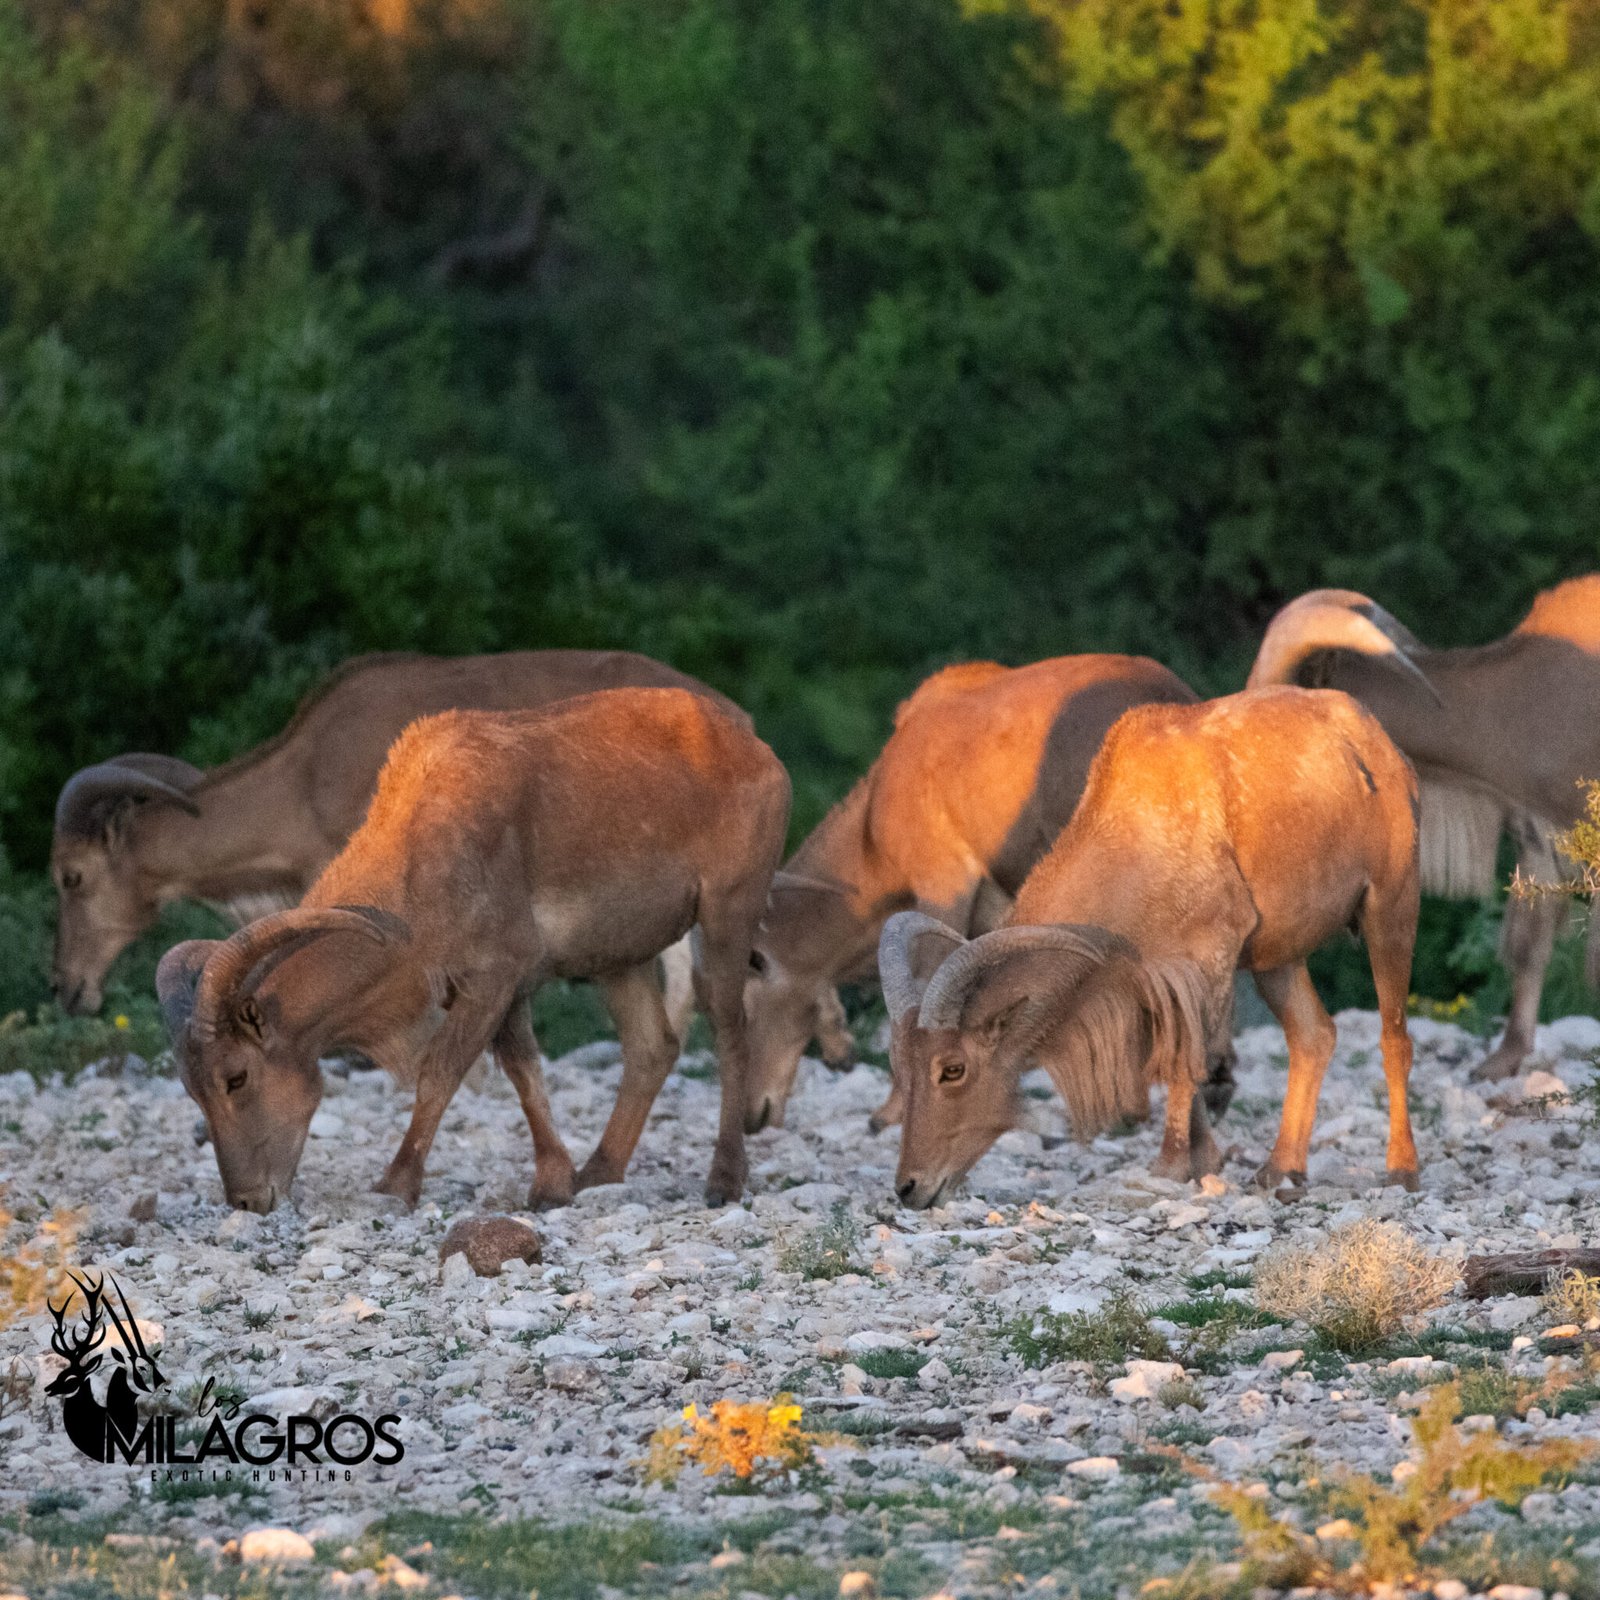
1239, 833
979, 776
1502, 736
501, 850
137, 831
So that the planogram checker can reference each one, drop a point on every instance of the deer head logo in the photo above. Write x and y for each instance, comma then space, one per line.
82, 1342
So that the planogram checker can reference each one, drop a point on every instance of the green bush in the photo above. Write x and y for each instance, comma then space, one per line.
891, 354
809, 344
93, 242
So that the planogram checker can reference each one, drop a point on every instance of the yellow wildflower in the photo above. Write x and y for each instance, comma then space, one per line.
747, 1438
33, 1272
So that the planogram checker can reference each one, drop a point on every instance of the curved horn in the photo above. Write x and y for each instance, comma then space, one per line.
902, 988
1333, 619
85, 791
176, 978
234, 965
783, 878
946, 996
169, 769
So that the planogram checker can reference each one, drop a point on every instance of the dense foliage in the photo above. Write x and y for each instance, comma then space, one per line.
807, 343
1398, 204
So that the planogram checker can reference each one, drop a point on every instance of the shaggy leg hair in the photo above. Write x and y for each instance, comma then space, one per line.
1461, 830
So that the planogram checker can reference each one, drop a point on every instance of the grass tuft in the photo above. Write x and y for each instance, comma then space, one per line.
1120, 1330
1217, 1278
1211, 1323
508, 1560
891, 1363
182, 1491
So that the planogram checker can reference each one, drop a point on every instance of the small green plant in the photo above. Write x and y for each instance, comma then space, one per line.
1207, 1308
1491, 1391
891, 1363
1118, 1331
1446, 1342
1356, 1288
1572, 1399
558, 1561
1182, 1429
863, 1424
1392, 1524
827, 1251
201, 1398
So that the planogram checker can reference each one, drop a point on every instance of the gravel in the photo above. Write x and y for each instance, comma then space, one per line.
534, 1392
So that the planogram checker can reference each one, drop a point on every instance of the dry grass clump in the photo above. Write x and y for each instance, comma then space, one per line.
1178, 1392
1574, 1297
1358, 1287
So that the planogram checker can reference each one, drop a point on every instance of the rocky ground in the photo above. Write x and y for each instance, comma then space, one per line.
973, 1441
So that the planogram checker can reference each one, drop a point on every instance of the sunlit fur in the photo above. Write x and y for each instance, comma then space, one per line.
267, 823
1500, 735
501, 849
1239, 833
981, 773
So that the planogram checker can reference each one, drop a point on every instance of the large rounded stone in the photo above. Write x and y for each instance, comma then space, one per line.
489, 1242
